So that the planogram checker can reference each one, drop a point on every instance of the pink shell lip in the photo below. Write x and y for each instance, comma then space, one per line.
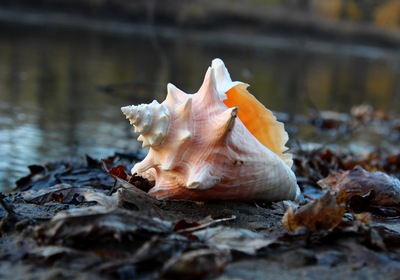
204, 142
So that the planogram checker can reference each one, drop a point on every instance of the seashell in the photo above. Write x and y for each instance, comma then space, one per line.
217, 144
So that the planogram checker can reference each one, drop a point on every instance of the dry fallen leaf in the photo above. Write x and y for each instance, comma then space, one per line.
64, 193
375, 192
196, 264
242, 240
323, 213
80, 226
129, 197
358, 181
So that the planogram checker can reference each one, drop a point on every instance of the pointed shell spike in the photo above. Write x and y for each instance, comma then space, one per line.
208, 94
182, 137
258, 120
175, 95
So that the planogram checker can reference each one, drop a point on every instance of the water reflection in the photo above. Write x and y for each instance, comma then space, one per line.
51, 108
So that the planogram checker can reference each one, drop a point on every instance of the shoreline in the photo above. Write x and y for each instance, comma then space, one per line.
277, 22
380, 44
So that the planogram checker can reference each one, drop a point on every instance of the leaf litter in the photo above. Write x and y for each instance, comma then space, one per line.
93, 218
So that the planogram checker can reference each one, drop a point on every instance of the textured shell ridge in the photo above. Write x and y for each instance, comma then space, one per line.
259, 120
183, 130
202, 176
207, 97
175, 95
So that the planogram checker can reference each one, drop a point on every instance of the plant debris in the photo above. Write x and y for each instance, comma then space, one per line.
91, 218
374, 188
325, 213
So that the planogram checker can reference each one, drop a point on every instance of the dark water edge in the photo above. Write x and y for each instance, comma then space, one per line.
63, 79
248, 18
360, 41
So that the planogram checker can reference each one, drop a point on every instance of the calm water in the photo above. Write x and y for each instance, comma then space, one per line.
52, 105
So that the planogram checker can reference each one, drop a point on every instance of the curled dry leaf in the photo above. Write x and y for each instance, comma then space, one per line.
116, 172
64, 193
41, 177
81, 227
120, 175
75, 172
196, 264
380, 188
316, 164
310, 166
109, 201
127, 196
119, 171
149, 256
241, 240
53, 255
281, 207
323, 213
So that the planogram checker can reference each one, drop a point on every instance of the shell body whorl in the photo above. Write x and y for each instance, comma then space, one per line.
201, 150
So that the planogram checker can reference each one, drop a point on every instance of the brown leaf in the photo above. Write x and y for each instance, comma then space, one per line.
141, 183
150, 255
99, 226
128, 197
41, 177
75, 172
63, 193
238, 239
119, 171
116, 172
325, 213
316, 164
377, 188
196, 264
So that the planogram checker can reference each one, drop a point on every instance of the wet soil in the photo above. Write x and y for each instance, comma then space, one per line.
134, 236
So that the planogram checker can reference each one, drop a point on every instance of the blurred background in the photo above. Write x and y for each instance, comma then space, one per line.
67, 66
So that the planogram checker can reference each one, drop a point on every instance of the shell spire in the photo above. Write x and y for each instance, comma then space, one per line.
217, 144
150, 120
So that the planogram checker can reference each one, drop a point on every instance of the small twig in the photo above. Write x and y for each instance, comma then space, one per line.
206, 225
113, 188
309, 197
108, 172
106, 168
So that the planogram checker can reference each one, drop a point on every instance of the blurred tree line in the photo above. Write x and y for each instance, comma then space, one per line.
381, 13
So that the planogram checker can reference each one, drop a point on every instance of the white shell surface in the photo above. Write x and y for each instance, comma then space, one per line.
150, 120
202, 151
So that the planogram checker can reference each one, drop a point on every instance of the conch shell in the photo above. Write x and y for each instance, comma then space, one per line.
217, 144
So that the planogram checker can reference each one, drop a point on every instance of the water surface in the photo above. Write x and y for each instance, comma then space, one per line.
60, 92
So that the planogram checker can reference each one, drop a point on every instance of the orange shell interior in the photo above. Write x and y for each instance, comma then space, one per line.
260, 121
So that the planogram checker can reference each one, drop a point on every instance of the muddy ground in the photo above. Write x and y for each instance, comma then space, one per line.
76, 219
